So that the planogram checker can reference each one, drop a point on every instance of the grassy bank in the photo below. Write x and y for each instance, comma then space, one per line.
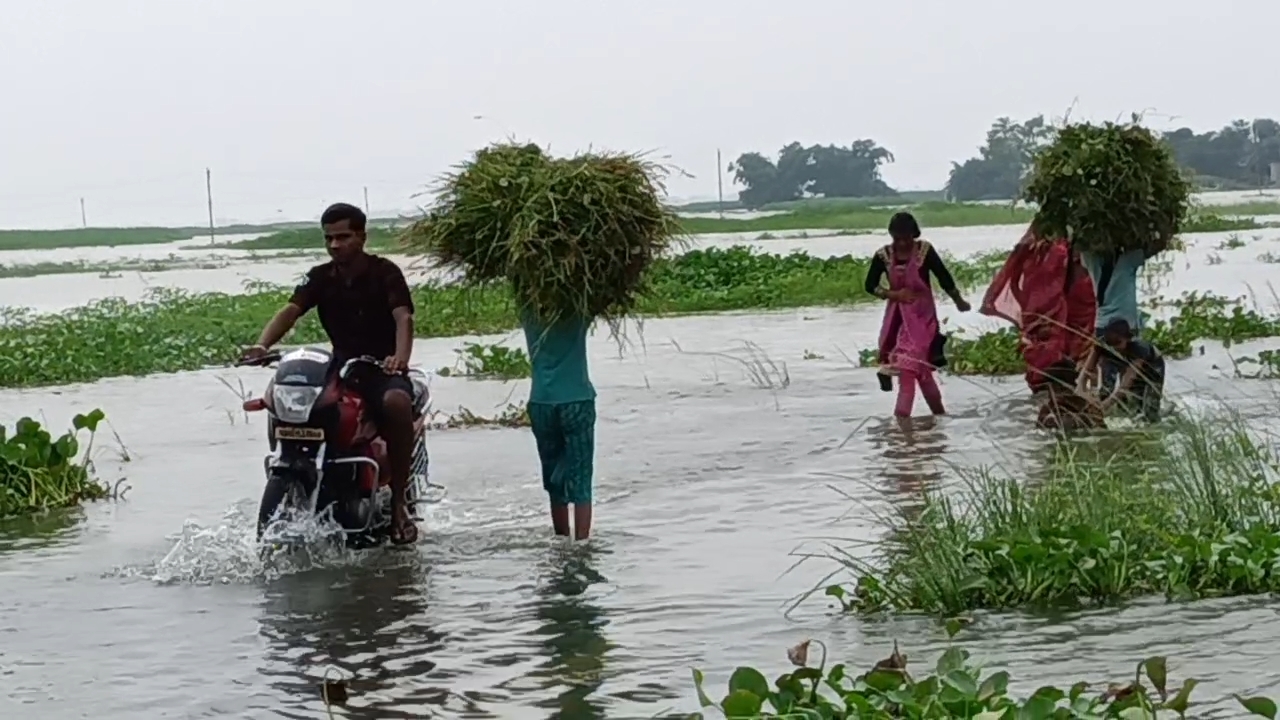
952, 686
1184, 510
842, 218
938, 215
115, 269
174, 330
39, 472
112, 237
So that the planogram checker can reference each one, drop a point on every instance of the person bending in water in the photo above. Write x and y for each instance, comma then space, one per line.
366, 309
1063, 408
1141, 386
1115, 283
910, 343
562, 415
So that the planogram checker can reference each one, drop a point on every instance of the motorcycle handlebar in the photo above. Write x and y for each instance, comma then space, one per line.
274, 356
261, 361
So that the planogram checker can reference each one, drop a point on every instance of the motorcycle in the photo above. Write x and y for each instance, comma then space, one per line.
325, 455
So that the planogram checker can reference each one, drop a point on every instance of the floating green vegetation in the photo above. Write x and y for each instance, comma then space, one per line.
172, 330
952, 687
489, 362
39, 472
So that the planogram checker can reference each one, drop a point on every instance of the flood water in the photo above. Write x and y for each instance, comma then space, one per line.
709, 483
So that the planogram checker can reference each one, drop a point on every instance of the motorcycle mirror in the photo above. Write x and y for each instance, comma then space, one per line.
255, 405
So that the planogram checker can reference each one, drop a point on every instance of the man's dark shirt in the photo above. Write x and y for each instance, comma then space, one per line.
357, 314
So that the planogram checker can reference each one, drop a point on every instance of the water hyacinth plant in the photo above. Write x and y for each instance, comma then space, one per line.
39, 472
955, 688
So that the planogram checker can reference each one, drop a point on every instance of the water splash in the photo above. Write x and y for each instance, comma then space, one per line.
230, 552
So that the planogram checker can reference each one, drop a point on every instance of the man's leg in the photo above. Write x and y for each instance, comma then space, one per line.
578, 464
395, 424
544, 420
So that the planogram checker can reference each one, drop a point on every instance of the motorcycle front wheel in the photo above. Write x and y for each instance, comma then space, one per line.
282, 490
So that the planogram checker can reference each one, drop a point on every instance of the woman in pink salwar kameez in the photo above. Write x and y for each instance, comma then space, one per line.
910, 341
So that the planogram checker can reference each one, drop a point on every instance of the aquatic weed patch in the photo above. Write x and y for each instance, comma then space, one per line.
39, 472
489, 362
1186, 511
173, 330
954, 686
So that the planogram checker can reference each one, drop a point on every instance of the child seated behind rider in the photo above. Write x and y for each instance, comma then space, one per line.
1141, 386
1063, 408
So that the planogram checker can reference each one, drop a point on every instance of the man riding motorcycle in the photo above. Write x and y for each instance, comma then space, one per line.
365, 307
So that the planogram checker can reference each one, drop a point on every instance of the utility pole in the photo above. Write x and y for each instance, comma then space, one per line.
719, 184
366, 199
84, 219
208, 191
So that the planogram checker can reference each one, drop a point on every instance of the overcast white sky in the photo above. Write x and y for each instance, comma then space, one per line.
295, 103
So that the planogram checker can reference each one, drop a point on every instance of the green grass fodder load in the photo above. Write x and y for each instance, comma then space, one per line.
573, 236
1110, 188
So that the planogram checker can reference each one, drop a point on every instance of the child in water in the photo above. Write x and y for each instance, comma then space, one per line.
1065, 409
1141, 386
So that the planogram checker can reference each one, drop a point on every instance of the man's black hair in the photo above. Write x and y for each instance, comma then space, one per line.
904, 224
338, 212
1118, 328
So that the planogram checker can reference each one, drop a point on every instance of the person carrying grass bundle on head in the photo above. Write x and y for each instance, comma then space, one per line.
1141, 385
1063, 408
911, 345
574, 238
562, 415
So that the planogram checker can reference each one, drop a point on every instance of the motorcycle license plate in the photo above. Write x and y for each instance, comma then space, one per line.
299, 433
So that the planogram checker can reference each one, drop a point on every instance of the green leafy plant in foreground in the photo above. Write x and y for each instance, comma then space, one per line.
1188, 509
38, 472
957, 688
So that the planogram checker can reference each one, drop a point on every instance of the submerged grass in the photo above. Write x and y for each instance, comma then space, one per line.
1187, 510
173, 330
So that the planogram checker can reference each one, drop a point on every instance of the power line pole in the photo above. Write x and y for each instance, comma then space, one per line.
84, 219
719, 185
366, 199
208, 191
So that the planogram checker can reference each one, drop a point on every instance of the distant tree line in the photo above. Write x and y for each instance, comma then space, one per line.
1237, 156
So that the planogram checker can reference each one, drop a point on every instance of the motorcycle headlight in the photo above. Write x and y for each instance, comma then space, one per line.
293, 404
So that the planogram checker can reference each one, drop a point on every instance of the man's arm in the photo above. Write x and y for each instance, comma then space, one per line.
1126, 382
401, 302
304, 298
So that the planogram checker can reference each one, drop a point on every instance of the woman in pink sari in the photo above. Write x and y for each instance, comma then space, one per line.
1045, 291
910, 343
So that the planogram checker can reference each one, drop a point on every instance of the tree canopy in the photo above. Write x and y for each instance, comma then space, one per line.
1237, 156
825, 170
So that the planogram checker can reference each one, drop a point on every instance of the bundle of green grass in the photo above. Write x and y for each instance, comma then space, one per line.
573, 236
1109, 188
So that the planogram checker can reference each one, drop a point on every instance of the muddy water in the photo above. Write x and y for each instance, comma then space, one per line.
710, 483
